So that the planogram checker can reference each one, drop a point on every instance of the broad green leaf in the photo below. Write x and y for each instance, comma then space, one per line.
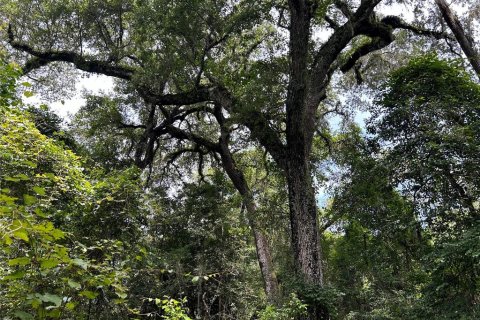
22, 261
73, 284
55, 314
57, 233
49, 263
23, 315
53, 298
18, 177
81, 263
40, 213
12, 179
39, 190
70, 305
7, 239
29, 163
29, 200
15, 275
21, 234
121, 295
89, 294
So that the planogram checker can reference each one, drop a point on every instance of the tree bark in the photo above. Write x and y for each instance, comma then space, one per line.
465, 41
299, 133
303, 219
261, 243
264, 256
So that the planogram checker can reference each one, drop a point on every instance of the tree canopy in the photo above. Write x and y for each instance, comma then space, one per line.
194, 187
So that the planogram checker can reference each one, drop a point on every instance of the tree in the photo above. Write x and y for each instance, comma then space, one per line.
428, 115
375, 247
45, 273
427, 120
465, 40
208, 72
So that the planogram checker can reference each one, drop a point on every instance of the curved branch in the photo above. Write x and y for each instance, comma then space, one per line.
382, 36
465, 41
44, 57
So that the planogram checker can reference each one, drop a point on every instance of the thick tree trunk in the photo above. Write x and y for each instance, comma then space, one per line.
303, 220
305, 233
465, 41
299, 133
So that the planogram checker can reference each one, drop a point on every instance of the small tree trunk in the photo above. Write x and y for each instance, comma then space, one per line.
465, 41
265, 261
262, 248
261, 244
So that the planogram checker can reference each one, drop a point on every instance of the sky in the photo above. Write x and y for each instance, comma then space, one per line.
94, 84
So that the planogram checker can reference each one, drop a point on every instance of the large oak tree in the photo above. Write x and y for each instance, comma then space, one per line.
211, 72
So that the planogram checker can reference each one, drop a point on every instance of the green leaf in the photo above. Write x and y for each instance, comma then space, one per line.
55, 314
195, 279
28, 94
49, 263
89, 294
12, 179
22, 261
20, 176
53, 298
29, 200
81, 263
15, 275
21, 234
7, 239
57, 233
121, 295
70, 305
23, 315
74, 285
29, 163
39, 190
40, 213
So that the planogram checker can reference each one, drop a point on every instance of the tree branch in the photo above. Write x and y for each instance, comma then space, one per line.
45, 57
465, 41
382, 36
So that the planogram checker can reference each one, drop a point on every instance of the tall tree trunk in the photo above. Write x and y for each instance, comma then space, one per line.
299, 133
303, 220
305, 232
300, 128
465, 41
261, 243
